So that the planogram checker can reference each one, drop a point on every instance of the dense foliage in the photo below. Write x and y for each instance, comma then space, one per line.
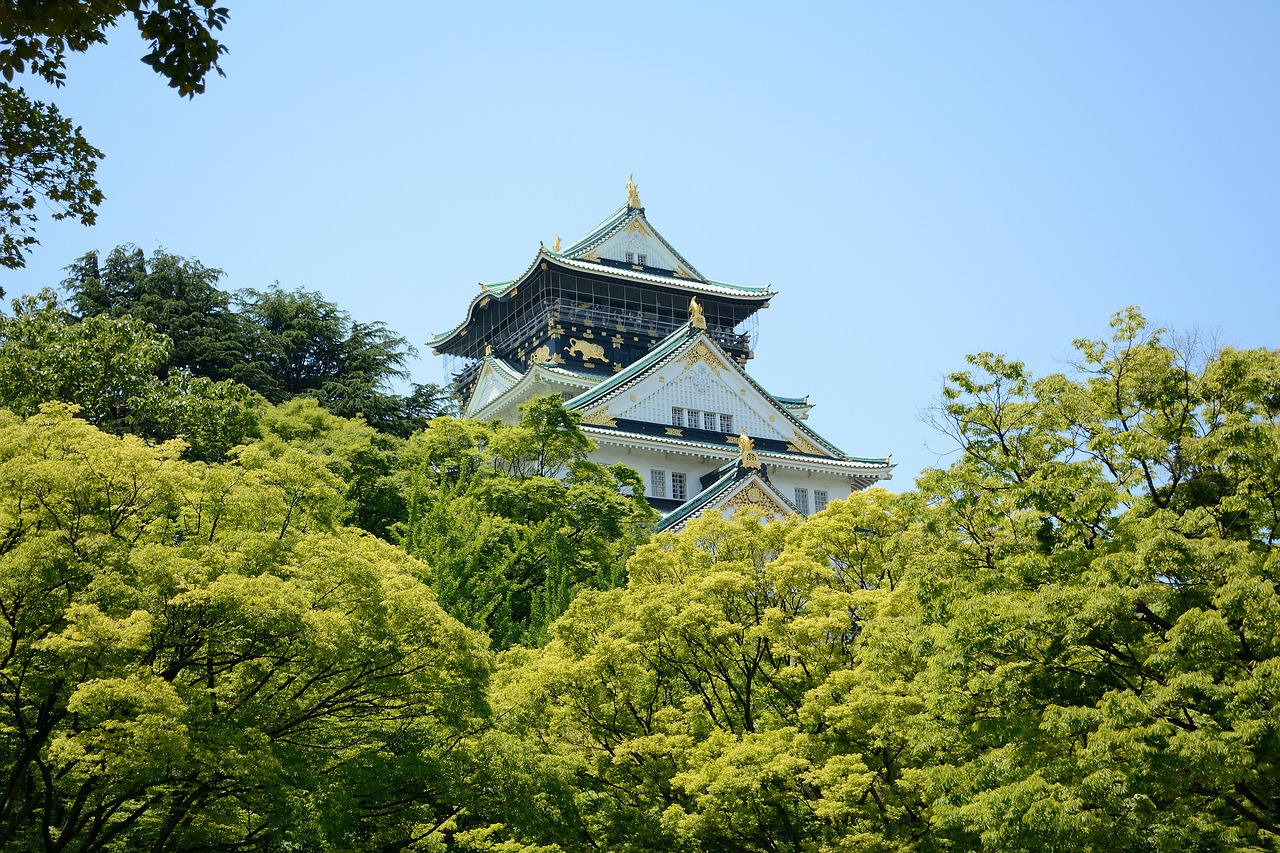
1065, 641
515, 520
280, 344
196, 658
43, 155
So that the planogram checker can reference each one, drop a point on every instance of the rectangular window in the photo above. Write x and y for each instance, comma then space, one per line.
726, 423
692, 418
709, 420
642, 260
677, 417
802, 501
679, 486
658, 484
819, 500
631, 257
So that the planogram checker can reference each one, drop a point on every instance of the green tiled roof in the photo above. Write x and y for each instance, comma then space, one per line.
665, 348
660, 351
699, 501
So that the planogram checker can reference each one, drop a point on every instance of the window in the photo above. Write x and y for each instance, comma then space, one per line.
658, 483
679, 486
726, 423
691, 418
802, 500
631, 257
819, 500
709, 420
677, 417
642, 259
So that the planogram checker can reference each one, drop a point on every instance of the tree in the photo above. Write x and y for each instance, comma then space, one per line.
515, 521
307, 345
196, 657
1064, 642
1099, 609
177, 297
107, 366
43, 154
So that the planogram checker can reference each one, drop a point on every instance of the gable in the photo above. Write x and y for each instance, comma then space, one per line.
729, 494
491, 385
701, 379
637, 244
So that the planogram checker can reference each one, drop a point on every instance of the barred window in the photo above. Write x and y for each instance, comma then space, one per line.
692, 418
726, 423
642, 260
802, 500
709, 420
631, 257
819, 500
658, 483
679, 486
677, 416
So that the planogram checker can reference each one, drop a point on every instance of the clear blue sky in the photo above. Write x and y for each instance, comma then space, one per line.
917, 180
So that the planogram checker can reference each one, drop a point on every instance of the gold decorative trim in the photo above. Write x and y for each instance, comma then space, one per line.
702, 352
600, 417
541, 354
800, 444
674, 431
755, 497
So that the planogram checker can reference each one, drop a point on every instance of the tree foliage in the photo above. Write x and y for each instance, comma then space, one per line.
195, 657
281, 344
1065, 641
44, 155
107, 366
515, 521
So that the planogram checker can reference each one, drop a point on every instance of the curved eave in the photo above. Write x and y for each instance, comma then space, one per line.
879, 468
682, 340
503, 291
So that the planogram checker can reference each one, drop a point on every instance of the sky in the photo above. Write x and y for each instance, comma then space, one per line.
917, 181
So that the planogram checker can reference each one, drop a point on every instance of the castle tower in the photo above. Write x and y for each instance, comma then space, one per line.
653, 354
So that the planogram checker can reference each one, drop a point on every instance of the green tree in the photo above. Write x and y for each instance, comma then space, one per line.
307, 345
107, 366
514, 519
177, 297
1065, 641
368, 462
1099, 609
195, 657
713, 703
44, 155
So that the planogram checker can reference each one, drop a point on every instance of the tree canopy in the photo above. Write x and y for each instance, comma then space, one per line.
1064, 641
515, 520
196, 657
278, 343
44, 155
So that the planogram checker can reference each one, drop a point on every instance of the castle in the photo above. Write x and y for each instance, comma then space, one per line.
652, 354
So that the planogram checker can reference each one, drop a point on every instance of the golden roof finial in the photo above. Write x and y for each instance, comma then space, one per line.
488, 349
696, 320
633, 193
748, 458
556, 247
